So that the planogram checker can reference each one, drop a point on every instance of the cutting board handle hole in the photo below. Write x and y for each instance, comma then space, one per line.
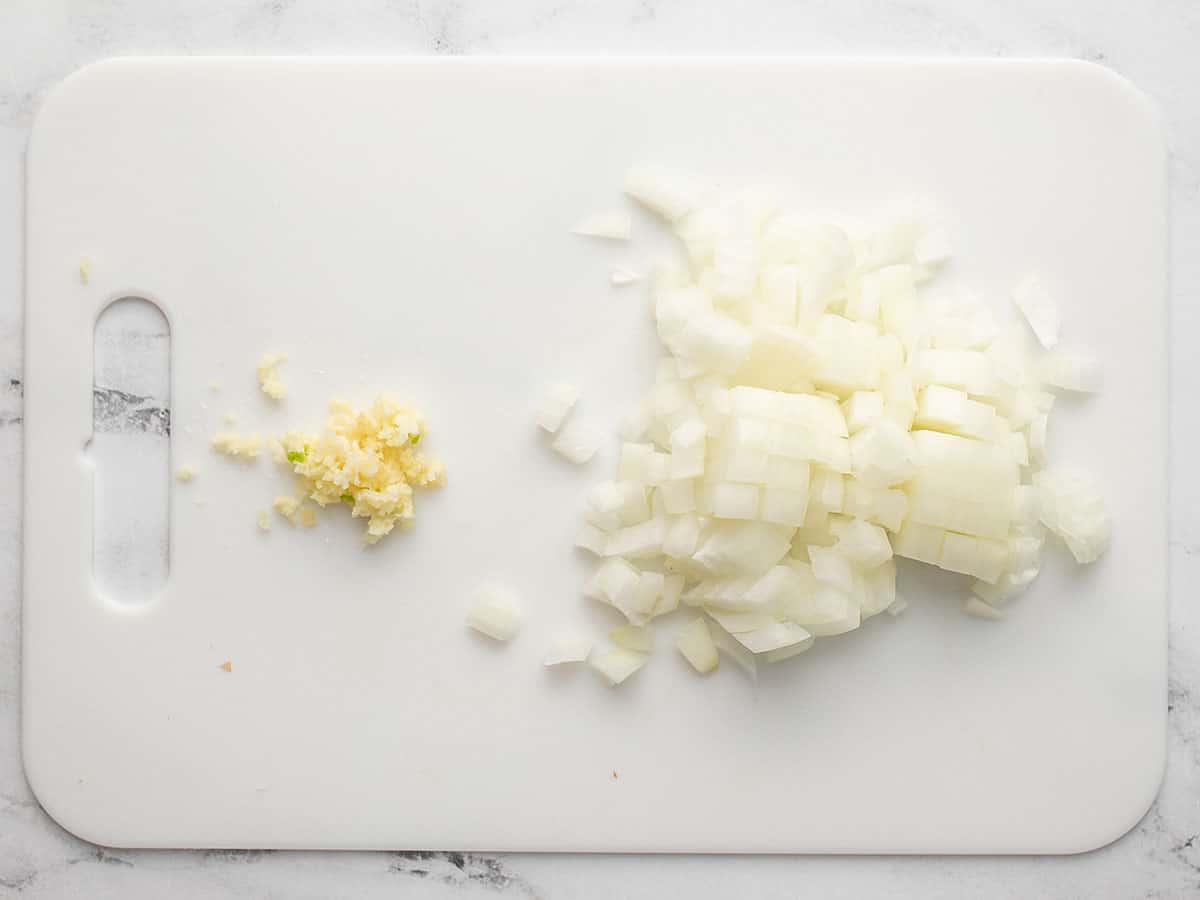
130, 451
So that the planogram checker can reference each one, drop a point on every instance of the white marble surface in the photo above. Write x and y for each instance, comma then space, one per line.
1153, 43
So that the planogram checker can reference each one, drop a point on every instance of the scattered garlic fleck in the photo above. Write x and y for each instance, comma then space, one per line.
288, 507
268, 378
236, 445
264, 520
85, 269
230, 418
186, 473
308, 516
214, 386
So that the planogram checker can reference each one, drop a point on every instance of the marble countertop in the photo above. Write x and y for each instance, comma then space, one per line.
1152, 43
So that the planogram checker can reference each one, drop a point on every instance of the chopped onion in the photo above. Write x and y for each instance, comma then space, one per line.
819, 413
695, 642
592, 539
1071, 371
1039, 310
557, 401
633, 637
614, 225
741, 657
973, 606
567, 650
577, 443
494, 612
670, 194
1071, 506
615, 664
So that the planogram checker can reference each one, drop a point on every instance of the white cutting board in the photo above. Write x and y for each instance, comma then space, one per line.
403, 225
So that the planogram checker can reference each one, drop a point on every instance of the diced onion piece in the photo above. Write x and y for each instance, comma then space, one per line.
741, 657
668, 598
592, 539
1071, 371
576, 443
557, 400
615, 225
920, 542
882, 454
734, 501
567, 650
1039, 310
877, 589
633, 637
742, 548
640, 541
688, 449
615, 664
779, 654
1071, 506
615, 583
494, 612
985, 559
824, 611
946, 409
695, 642
670, 194
832, 567
864, 543
883, 506
967, 370
862, 408
775, 636
682, 536
973, 606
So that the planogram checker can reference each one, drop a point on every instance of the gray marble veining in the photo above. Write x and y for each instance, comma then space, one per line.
1153, 43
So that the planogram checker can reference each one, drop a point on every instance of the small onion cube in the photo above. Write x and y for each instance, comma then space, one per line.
973, 606
735, 501
567, 650
494, 612
557, 401
633, 637
592, 539
682, 536
615, 225
695, 642
832, 567
576, 443
1071, 371
1039, 310
864, 543
616, 664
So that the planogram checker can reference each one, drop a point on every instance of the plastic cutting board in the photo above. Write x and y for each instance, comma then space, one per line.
403, 225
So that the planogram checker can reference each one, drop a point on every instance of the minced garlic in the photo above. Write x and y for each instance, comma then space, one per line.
264, 520
366, 459
242, 446
186, 473
268, 378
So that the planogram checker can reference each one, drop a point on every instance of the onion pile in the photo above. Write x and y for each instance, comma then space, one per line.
815, 417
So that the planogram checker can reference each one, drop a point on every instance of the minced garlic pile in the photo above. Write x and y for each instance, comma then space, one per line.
367, 459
